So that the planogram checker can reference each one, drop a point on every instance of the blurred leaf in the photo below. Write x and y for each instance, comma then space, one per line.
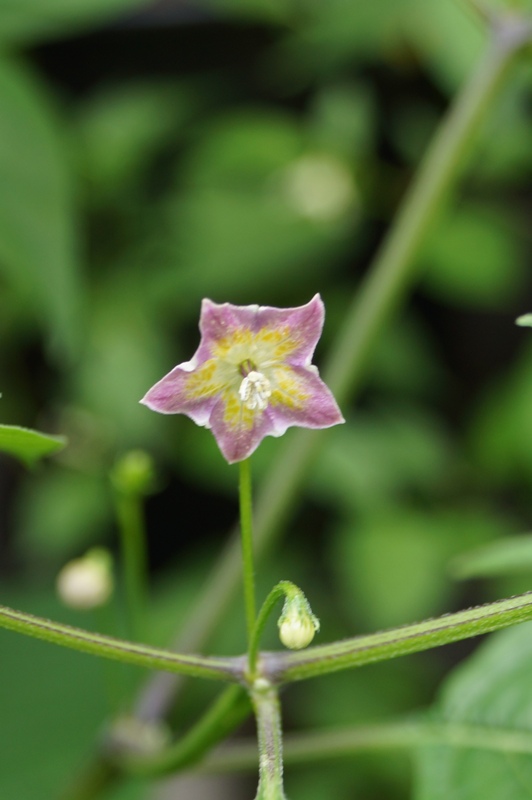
255, 209
449, 38
270, 10
23, 21
37, 227
493, 691
53, 704
503, 151
501, 429
121, 128
62, 512
335, 34
474, 260
375, 458
507, 557
28, 445
343, 121
393, 560
242, 150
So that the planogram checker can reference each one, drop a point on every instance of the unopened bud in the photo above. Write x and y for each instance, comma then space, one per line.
86, 582
525, 321
297, 623
134, 473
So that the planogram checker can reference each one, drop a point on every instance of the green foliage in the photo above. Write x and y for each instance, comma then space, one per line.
492, 693
29, 446
25, 20
38, 248
130, 190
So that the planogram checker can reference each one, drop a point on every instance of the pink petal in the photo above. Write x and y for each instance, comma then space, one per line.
239, 433
303, 326
182, 391
303, 400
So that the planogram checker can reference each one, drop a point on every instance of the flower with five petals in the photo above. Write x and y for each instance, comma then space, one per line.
251, 376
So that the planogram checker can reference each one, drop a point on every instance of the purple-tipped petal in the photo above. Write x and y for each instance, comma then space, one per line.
185, 390
237, 430
301, 398
251, 376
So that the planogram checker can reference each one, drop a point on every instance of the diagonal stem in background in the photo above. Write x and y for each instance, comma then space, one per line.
393, 272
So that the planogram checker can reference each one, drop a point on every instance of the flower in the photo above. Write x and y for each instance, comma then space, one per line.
251, 376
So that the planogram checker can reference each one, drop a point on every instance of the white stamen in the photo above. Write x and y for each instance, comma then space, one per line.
255, 390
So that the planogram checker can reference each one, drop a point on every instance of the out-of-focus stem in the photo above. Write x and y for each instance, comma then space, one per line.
393, 272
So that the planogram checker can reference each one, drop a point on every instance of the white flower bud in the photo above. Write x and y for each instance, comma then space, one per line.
297, 623
86, 582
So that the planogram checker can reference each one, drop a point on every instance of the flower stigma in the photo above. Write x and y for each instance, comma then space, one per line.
255, 390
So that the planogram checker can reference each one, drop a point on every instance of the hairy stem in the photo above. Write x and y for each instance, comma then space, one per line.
393, 272
224, 669
265, 700
283, 667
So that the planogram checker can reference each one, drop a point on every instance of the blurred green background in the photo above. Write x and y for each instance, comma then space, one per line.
252, 151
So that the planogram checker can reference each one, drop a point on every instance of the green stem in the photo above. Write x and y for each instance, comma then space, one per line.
265, 700
246, 537
224, 669
227, 712
283, 667
393, 272
133, 541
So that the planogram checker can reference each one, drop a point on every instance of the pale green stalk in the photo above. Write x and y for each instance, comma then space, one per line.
392, 274
267, 708
246, 539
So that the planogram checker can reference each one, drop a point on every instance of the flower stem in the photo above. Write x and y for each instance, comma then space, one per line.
393, 272
246, 538
282, 667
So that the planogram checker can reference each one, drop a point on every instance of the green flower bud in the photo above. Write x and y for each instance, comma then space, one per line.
134, 473
297, 624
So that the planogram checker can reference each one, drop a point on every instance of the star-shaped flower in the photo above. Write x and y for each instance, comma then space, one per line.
251, 376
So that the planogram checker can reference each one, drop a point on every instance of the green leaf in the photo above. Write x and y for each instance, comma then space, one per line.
28, 445
474, 260
38, 248
507, 557
29, 20
493, 693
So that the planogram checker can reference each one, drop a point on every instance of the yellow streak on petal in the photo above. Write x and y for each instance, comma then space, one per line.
204, 382
236, 414
287, 390
268, 345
